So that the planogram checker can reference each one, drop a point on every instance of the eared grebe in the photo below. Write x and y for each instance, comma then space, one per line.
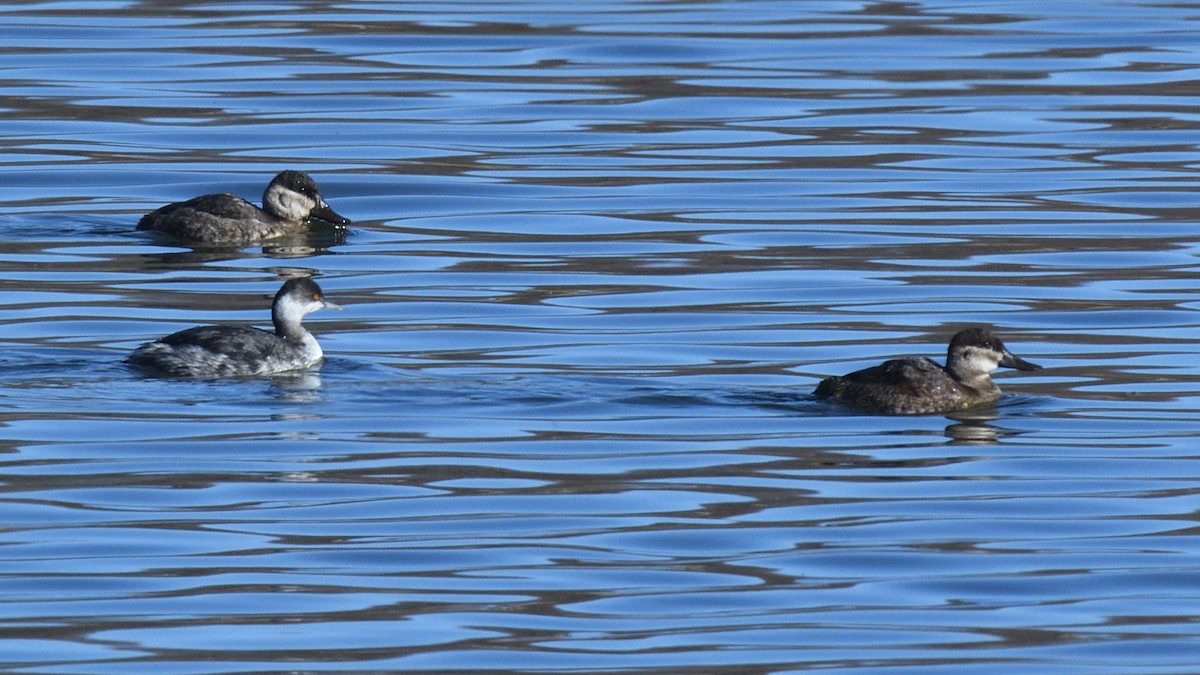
917, 385
289, 202
221, 351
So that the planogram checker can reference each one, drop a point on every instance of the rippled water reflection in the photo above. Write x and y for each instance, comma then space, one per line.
600, 257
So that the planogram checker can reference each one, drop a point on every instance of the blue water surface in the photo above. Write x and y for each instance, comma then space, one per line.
600, 257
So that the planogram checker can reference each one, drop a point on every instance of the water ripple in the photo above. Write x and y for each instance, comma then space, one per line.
600, 257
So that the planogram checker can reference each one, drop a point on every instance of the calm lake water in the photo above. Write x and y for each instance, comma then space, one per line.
600, 256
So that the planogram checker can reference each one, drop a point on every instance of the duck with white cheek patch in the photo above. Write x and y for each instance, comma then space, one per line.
290, 202
918, 385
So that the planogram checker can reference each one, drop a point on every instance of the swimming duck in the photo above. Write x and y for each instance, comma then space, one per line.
290, 200
222, 351
918, 385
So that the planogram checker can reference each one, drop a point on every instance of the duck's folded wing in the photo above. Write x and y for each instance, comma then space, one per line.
222, 205
897, 373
